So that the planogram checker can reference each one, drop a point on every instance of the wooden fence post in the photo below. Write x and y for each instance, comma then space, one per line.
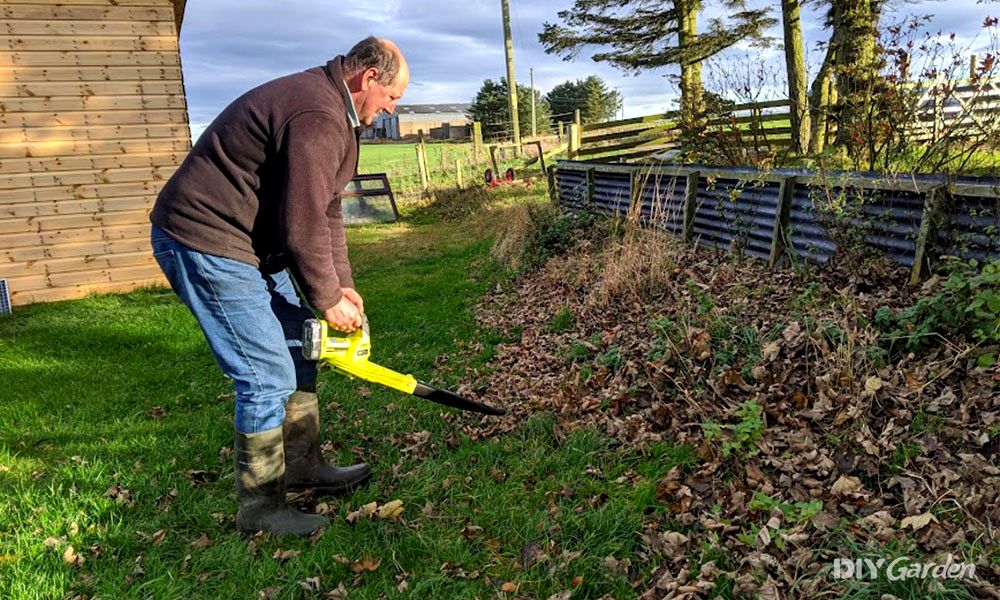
553, 191
493, 159
477, 141
421, 161
574, 140
690, 204
458, 173
562, 132
576, 117
929, 219
780, 233
541, 155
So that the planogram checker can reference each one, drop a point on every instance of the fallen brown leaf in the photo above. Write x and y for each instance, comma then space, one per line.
284, 555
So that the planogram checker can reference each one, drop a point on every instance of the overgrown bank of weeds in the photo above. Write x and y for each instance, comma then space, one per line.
836, 412
116, 465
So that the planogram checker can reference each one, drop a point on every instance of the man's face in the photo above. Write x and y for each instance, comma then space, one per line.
376, 97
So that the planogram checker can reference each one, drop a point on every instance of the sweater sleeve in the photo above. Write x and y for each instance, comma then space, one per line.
338, 241
315, 146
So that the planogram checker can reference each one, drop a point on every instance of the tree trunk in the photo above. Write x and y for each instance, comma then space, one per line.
854, 28
795, 65
821, 99
692, 94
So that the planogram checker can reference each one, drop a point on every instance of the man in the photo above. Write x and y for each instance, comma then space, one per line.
257, 200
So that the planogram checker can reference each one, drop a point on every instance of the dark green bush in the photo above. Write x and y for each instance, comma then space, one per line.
967, 305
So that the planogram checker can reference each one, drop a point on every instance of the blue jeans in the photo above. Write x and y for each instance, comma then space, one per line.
253, 324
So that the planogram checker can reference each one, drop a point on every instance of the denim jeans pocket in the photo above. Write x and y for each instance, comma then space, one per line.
167, 253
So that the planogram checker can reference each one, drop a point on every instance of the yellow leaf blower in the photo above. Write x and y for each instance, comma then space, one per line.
349, 354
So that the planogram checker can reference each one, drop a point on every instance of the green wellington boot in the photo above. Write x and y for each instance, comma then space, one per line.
260, 488
304, 464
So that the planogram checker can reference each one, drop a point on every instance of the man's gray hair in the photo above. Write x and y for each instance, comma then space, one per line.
373, 53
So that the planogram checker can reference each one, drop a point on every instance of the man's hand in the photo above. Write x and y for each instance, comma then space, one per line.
344, 316
352, 295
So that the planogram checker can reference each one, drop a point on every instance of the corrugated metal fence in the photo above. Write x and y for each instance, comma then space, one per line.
795, 213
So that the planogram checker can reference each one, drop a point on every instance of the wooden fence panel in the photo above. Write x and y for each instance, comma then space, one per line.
92, 123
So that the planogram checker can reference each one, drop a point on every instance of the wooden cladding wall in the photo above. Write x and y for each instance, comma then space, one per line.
93, 121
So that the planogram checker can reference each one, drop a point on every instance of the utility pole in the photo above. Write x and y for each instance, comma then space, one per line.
508, 45
534, 132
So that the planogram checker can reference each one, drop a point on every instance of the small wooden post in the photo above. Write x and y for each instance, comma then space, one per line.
561, 131
574, 140
755, 127
553, 190
973, 64
576, 117
493, 159
477, 142
421, 161
690, 204
541, 155
458, 173
780, 233
925, 239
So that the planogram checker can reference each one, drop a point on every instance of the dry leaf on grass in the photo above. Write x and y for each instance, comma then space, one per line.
340, 593
390, 509
70, 557
365, 564
119, 494
365, 512
310, 584
158, 537
284, 555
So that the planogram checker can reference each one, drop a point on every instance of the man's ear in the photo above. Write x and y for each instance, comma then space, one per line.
368, 77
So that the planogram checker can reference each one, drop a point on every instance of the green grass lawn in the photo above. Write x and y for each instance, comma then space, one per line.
118, 430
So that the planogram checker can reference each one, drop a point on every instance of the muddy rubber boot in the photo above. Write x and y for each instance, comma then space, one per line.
260, 488
304, 464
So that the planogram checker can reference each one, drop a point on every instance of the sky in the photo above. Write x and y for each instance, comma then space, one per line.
230, 46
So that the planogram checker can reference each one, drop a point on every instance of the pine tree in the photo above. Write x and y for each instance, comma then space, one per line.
590, 96
648, 34
490, 108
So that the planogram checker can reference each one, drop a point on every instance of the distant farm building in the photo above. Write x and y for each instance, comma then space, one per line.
93, 121
437, 121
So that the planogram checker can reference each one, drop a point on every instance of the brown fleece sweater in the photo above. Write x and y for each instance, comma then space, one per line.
262, 184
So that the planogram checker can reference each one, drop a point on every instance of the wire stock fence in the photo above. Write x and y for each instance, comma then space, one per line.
796, 215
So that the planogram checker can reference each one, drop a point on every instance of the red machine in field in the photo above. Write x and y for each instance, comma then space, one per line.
493, 181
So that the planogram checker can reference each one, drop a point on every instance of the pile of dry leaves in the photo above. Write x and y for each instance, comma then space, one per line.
813, 443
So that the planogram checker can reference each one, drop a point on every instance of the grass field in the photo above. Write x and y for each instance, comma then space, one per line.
399, 162
116, 466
